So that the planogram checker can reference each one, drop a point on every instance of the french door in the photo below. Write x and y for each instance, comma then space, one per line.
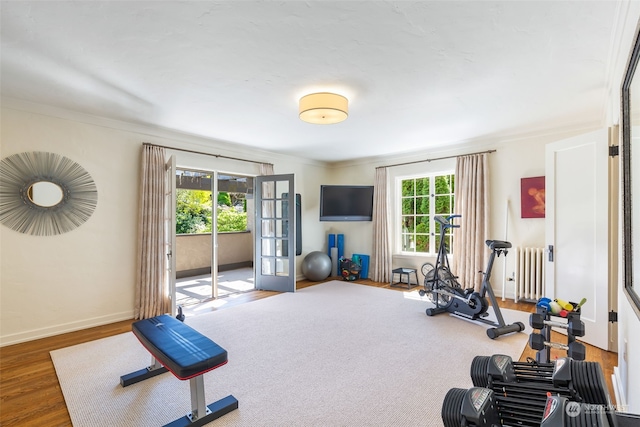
275, 233
170, 229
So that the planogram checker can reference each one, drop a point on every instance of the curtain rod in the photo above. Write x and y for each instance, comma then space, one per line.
206, 154
439, 158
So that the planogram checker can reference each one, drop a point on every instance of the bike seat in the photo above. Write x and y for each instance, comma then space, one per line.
498, 244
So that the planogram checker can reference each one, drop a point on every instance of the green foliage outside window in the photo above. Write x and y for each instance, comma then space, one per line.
231, 220
194, 213
422, 199
224, 199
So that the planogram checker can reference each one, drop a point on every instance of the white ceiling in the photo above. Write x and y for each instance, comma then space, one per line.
419, 75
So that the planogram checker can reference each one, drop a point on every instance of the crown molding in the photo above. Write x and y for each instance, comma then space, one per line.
183, 140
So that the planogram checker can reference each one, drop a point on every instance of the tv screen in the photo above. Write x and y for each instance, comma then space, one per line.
346, 202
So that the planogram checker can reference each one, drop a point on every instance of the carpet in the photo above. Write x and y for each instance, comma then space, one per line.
333, 354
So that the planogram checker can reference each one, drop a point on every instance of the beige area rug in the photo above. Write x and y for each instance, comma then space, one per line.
334, 354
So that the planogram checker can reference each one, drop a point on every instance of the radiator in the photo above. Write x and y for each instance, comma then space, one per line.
529, 274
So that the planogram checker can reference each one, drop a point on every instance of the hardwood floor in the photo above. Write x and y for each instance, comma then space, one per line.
31, 396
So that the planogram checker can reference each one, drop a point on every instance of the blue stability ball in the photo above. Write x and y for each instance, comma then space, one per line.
316, 266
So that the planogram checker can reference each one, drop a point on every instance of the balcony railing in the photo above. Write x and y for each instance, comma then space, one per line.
193, 252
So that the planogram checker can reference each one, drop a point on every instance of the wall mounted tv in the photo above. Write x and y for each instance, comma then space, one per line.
346, 202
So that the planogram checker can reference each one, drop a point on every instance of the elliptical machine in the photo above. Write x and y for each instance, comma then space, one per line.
444, 290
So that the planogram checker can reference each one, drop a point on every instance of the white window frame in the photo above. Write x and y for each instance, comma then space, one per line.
397, 229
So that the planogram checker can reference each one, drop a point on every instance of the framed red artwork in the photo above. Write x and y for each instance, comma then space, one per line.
532, 198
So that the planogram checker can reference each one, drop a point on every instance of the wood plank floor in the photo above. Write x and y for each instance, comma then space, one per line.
30, 394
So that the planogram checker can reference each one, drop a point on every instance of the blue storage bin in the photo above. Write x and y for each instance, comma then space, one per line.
364, 264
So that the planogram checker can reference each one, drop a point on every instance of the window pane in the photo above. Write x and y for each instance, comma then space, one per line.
282, 188
422, 243
268, 209
408, 244
407, 206
268, 189
443, 185
422, 205
443, 204
422, 187
282, 267
422, 224
282, 228
267, 247
268, 228
268, 267
408, 224
408, 187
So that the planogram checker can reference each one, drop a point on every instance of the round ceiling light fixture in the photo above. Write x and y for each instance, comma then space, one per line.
324, 108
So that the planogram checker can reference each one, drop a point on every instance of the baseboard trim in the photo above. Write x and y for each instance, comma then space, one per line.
618, 390
64, 328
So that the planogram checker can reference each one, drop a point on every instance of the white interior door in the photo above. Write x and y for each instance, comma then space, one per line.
170, 229
577, 228
275, 235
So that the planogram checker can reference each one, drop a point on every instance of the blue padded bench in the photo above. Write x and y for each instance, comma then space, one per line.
188, 355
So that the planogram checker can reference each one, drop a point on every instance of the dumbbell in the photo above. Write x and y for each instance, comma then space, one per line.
575, 350
574, 326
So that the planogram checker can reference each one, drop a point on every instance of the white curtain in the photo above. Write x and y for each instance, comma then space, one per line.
381, 256
471, 201
266, 169
151, 292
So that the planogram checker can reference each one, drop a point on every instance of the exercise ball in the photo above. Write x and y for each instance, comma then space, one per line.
316, 266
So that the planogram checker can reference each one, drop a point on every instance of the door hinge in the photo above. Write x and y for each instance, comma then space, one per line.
614, 150
613, 316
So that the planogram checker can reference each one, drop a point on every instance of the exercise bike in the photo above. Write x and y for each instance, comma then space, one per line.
443, 289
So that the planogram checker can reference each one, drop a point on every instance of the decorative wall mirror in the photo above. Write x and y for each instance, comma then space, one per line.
44, 193
631, 174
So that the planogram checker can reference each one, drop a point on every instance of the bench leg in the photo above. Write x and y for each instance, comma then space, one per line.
200, 413
198, 407
151, 371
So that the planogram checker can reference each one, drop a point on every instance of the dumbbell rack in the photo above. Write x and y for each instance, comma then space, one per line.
544, 355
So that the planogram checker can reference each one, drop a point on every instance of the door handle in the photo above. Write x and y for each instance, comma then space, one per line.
550, 253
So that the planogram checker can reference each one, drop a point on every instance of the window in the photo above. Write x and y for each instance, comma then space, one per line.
421, 199
194, 207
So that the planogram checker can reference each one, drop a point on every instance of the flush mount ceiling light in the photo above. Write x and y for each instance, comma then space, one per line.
323, 108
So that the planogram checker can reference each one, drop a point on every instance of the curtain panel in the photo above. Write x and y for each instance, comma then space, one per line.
471, 201
152, 290
381, 256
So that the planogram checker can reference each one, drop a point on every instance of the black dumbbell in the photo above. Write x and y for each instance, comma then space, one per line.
575, 350
574, 326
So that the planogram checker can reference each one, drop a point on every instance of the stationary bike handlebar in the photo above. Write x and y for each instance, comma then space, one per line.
445, 221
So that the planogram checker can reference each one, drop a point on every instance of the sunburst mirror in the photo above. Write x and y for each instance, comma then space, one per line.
45, 194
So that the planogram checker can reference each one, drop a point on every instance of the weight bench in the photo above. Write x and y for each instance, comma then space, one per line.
188, 354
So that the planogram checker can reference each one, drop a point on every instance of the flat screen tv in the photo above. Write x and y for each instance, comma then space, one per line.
346, 202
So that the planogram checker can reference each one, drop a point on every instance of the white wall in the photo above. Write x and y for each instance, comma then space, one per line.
55, 284
82, 278
511, 161
85, 278
50, 285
